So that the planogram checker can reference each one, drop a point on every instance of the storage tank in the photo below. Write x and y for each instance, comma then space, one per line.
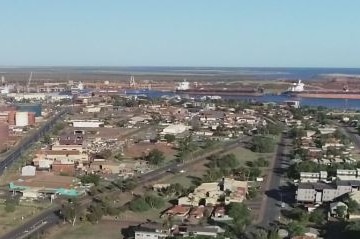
22, 119
36, 108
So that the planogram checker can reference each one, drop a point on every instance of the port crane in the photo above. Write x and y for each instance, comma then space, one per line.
29, 81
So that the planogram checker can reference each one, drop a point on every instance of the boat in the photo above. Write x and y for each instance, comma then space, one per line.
184, 88
298, 90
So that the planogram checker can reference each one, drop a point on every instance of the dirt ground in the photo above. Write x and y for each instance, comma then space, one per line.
140, 149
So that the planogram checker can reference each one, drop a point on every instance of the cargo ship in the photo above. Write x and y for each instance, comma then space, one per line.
184, 88
298, 90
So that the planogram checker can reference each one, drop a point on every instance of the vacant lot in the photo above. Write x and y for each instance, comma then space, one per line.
140, 149
87, 231
9, 220
244, 155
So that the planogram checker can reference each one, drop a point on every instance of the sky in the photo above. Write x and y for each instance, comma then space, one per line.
234, 33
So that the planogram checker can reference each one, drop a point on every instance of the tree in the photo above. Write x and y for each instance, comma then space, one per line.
274, 129
317, 216
129, 184
169, 138
10, 205
46, 139
240, 214
71, 211
154, 201
274, 235
262, 144
341, 211
228, 161
261, 162
353, 206
260, 233
139, 205
352, 230
90, 178
295, 229
95, 213
155, 157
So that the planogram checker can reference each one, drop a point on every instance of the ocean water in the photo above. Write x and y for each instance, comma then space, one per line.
351, 104
259, 72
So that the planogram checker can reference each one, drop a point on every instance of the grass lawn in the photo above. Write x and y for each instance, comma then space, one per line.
186, 179
88, 231
152, 214
244, 155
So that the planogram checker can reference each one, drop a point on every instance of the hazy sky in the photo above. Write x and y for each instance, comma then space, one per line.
297, 33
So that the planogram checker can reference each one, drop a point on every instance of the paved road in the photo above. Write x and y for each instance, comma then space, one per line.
47, 217
50, 219
352, 134
15, 153
271, 205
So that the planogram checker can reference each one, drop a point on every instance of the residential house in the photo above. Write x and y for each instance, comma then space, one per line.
178, 211
193, 231
313, 176
322, 192
151, 231
210, 193
344, 174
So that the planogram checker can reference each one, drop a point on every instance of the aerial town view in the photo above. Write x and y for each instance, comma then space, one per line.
179, 119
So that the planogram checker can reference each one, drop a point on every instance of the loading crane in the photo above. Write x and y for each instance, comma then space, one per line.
28, 84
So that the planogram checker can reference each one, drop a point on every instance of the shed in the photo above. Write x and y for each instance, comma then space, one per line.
28, 170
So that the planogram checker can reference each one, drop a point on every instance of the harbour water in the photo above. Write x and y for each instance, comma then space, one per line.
351, 104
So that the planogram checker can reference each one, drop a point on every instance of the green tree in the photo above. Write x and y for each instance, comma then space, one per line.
10, 205
71, 211
353, 206
228, 161
274, 129
352, 230
46, 139
95, 213
341, 211
155, 157
90, 178
263, 144
240, 214
154, 201
274, 235
260, 233
261, 162
139, 205
169, 138
317, 216
295, 229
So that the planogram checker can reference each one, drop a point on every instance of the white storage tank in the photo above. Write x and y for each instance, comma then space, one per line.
21, 119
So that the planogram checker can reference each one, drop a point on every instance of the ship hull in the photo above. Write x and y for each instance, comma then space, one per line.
220, 92
325, 94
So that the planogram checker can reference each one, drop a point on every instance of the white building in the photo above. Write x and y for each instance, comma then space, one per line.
22, 119
87, 123
175, 129
28, 170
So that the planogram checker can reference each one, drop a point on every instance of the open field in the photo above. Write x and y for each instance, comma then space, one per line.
244, 155
9, 220
87, 231
186, 178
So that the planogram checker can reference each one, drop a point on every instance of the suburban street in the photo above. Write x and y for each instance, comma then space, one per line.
14, 154
271, 204
49, 218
